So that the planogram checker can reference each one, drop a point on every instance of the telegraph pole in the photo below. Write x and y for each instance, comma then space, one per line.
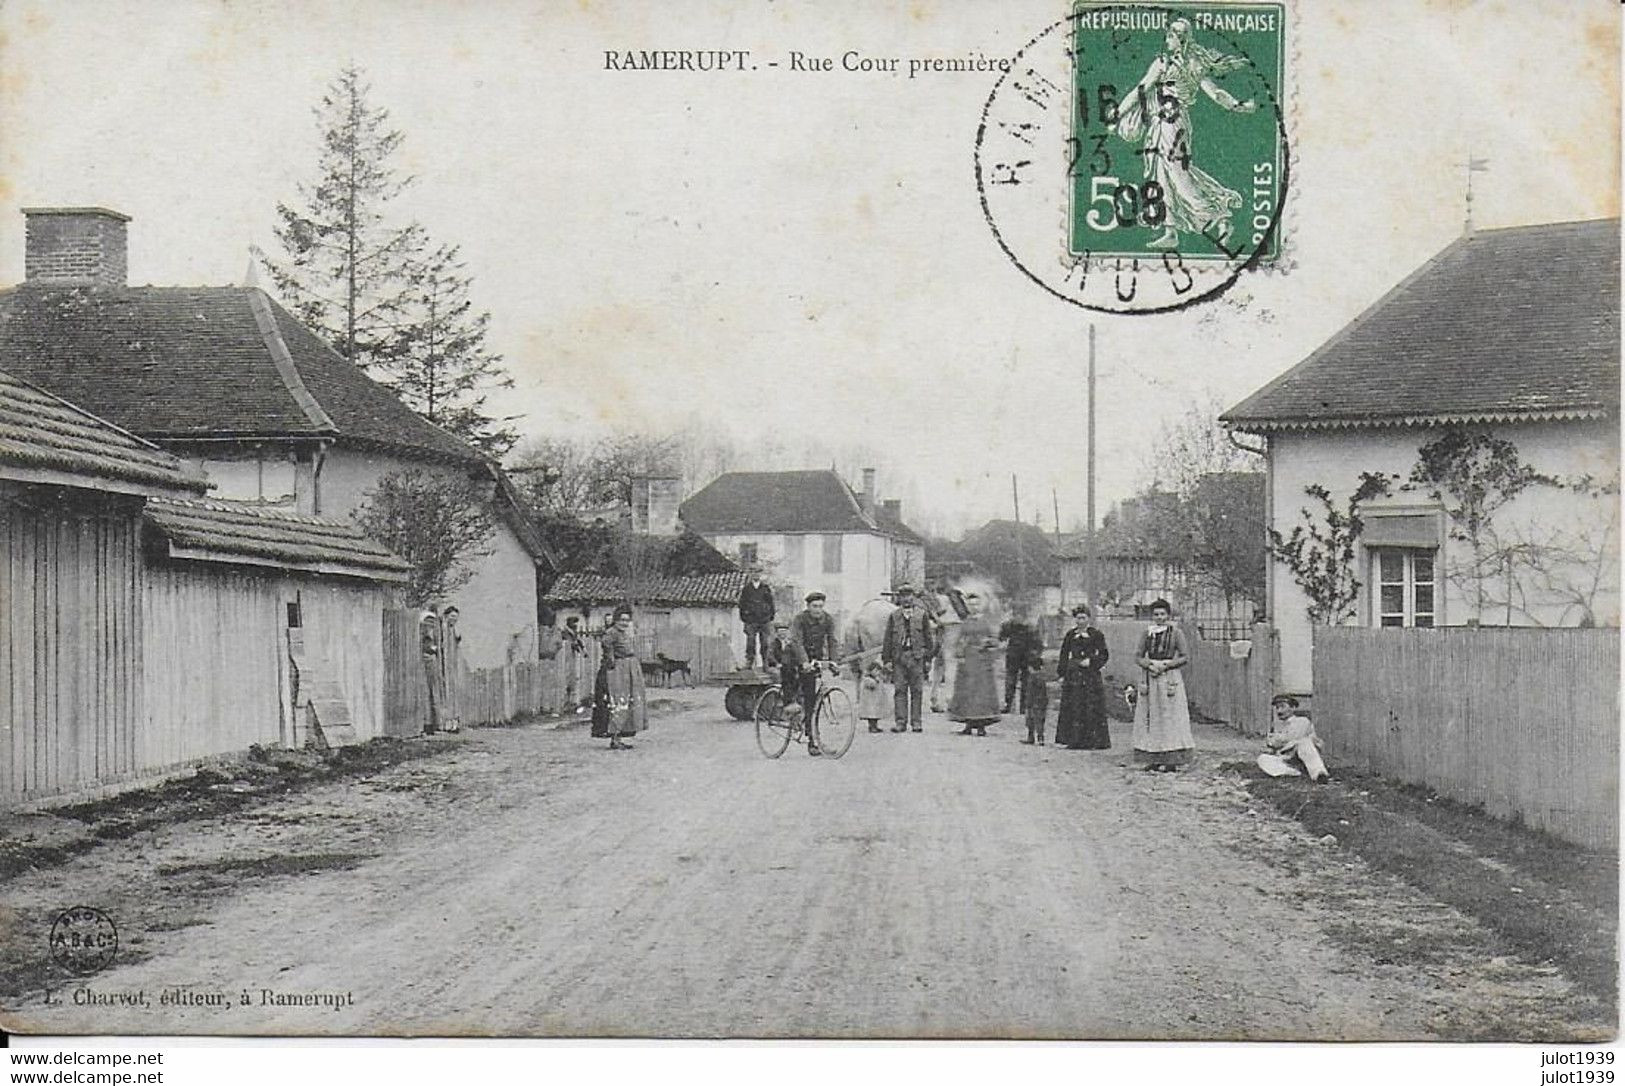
1089, 582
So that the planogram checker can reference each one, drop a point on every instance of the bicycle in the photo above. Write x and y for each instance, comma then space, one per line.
833, 725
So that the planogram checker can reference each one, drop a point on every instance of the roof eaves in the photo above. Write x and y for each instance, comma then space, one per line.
1237, 413
1443, 418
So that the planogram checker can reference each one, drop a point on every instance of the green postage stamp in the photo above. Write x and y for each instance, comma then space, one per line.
1177, 144
1135, 159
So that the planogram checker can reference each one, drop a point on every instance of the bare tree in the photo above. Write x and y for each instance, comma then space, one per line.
433, 521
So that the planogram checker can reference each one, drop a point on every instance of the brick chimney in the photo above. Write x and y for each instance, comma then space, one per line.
866, 497
76, 245
893, 508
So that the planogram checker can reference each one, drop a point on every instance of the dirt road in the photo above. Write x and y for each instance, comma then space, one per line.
530, 882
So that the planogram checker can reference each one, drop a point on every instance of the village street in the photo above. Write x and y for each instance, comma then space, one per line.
527, 881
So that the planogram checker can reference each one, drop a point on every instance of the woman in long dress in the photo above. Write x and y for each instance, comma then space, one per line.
1156, 113
1162, 718
975, 702
620, 707
1081, 724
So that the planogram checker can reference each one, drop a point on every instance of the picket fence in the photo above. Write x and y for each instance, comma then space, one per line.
499, 695
1522, 722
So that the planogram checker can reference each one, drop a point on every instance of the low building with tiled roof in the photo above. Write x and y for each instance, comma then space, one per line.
809, 530
226, 378
45, 440
1508, 339
145, 627
671, 612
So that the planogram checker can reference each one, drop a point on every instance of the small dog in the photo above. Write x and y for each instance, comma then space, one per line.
669, 667
1131, 697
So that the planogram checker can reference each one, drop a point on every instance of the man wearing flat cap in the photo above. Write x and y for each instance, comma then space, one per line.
814, 630
906, 650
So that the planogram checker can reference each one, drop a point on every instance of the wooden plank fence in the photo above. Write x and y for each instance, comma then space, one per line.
1233, 686
528, 688
1522, 722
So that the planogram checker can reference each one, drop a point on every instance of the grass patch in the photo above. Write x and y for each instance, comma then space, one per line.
1548, 900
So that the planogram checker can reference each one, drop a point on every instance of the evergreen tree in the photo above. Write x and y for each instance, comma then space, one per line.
439, 365
347, 270
387, 298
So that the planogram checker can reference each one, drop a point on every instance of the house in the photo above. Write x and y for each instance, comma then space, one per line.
704, 604
809, 531
143, 628
1507, 342
228, 380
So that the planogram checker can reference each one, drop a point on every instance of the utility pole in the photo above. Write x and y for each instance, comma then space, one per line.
1090, 583
1021, 555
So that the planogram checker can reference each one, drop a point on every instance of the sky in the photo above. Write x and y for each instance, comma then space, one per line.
796, 253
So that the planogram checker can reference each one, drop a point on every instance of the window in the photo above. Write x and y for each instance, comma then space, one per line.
1405, 587
747, 554
795, 554
832, 554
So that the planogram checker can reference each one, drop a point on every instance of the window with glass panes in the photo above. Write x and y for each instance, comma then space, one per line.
1404, 586
795, 550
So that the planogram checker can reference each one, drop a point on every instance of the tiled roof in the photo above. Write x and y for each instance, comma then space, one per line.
701, 590
1504, 324
776, 501
41, 433
893, 526
233, 532
195, 362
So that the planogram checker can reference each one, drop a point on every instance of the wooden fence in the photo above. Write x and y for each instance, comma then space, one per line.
527, 688
1522, 722
1231, 682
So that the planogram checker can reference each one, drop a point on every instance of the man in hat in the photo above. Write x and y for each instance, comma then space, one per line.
813, 632
1292, 736
756, 613
907, 650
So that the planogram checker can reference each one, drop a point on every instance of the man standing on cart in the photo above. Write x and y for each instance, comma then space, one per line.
756, 614
813, 630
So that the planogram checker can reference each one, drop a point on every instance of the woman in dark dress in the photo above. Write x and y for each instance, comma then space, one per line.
1082, 721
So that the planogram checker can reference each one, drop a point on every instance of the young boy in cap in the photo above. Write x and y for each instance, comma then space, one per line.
1035, 699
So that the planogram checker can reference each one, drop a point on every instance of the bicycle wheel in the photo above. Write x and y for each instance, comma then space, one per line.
837, 722
772, 730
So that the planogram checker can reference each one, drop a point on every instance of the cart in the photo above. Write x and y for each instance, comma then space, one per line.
745, 687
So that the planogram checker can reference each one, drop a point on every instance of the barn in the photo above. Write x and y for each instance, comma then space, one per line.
144, 628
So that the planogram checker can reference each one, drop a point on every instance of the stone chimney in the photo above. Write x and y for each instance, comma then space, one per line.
76, 245
893, 508
655, 501
866, 497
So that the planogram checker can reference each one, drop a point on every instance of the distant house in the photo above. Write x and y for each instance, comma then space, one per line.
699, 603
227, 379
143, 628
808, 530
1188, 551
1510, 334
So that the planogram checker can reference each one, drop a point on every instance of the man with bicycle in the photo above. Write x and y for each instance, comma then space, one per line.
811, 646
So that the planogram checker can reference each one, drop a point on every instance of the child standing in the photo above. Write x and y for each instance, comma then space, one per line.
1036, 699
872, 701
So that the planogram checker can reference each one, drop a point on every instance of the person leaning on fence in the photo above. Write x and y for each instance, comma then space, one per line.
1292, 738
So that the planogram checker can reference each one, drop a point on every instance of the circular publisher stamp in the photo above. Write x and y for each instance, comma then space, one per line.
1134, 157
83, 940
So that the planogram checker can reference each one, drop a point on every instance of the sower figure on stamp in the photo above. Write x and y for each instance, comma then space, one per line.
1156, 113
907, 650
756, 613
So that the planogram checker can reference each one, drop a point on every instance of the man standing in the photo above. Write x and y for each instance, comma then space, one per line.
756, 612
575, 649
1021, 645
907, 650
